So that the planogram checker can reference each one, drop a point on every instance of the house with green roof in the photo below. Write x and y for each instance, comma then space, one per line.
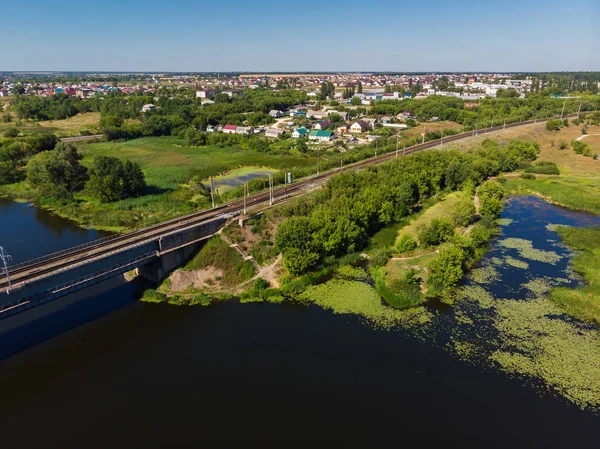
300, 132
321, 136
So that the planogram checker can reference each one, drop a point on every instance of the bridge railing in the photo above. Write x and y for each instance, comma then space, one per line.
74, 282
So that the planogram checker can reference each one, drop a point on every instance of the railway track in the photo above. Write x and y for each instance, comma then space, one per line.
56, 261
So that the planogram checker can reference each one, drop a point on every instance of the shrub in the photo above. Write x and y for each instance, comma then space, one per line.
554, 125
544, 167
379, 257
446, 270
563, 145
527, 176
11, 132
581, 148
438, 231
406, 243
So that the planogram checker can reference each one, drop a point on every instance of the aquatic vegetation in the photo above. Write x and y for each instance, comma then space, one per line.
552, 227
527, 251
561, 353
496, 261
504, 221
538, 286
477, 294
252, 299
517, 263
358, 298
484, 274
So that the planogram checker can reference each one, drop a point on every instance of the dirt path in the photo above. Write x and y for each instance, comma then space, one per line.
243, 253
586, 135
415, 257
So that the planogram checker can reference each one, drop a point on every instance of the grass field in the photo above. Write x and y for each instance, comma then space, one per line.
80, 122
443, 208
583, 302
167, 163
433, 126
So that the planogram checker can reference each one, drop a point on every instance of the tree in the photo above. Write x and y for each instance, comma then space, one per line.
58, 172
491, 196
438, 231
356, 101
294, 239
360, 88
445, 271
106, 179
134, 181
553, 125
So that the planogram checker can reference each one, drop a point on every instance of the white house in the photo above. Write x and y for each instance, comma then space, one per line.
358, 127
230, 129
299, 132
275, 113
148, 107
321, 136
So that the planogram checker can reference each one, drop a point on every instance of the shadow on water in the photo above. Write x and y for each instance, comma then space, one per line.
261, 375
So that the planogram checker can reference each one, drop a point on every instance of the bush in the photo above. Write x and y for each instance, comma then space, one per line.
406, 243
379, 257
527, 176
582, 148
563, 145
11, 132
446, 270
544, 167
554, 125
438, 231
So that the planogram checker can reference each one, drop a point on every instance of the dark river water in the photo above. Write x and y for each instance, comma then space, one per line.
103, 370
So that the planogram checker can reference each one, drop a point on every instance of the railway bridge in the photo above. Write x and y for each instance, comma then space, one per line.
156, 250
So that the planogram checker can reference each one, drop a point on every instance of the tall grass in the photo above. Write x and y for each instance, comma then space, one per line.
220, 255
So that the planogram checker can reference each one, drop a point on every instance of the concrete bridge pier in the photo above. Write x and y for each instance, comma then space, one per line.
159, 269
177, 248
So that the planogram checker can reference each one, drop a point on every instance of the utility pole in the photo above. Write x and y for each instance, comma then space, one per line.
404, 149
318, 165
341, 163
271, 199
579, 110
563, 110
285, 183
6, 258
424, 129
376, 146
396, 145
245, 193
504, 124
212, 193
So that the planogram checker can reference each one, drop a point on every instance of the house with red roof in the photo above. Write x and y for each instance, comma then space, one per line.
229, 129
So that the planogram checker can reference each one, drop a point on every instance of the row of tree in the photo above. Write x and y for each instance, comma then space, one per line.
354, 205
59, 174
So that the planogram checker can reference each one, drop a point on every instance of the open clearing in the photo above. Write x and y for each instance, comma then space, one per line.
239, 176
74, 124
167, 162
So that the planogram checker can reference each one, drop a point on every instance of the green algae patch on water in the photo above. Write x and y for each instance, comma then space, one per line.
485, 274
534, 342
504, 221
527, 251
358, 298
517, 263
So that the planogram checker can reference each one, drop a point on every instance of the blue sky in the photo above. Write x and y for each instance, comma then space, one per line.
242, 35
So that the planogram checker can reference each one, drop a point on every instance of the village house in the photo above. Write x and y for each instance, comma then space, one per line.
359, 127
273, 132
148, 107
371, 122
323, 124
321, 136
275, 113
344, 115
317, 115
205, 93
244, 130
299, 132
342, 129
229, 129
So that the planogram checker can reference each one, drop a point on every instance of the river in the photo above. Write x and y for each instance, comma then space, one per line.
103, 370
